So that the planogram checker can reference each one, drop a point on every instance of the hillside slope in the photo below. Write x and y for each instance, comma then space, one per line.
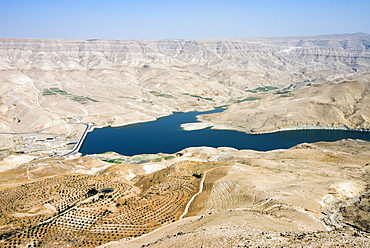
48, 83
339, 104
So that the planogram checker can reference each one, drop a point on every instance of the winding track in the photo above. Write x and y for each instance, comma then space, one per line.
192, 198
200, 191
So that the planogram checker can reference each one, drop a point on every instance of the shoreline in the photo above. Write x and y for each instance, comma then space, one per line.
220, 126
91, 127
153, 119
201, 124
324, 127
296, 128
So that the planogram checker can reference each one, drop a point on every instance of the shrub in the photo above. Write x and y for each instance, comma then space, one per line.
92, 192
197, 175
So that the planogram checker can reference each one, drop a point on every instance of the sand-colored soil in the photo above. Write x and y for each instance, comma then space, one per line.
314, 191
314, 195
274, 199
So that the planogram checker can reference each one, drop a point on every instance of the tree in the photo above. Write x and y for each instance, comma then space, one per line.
92, 192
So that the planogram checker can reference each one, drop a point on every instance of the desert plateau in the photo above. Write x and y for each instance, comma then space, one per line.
53, 92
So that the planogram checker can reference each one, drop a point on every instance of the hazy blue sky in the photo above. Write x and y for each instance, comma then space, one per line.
192, 19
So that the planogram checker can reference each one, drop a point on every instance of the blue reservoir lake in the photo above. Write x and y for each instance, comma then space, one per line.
166, 136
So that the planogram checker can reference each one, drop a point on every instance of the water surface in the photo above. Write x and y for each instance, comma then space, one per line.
165, 135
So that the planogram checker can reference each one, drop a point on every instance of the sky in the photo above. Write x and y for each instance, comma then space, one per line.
191, 19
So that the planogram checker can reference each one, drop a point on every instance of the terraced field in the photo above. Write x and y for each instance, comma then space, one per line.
87, 211
309, 187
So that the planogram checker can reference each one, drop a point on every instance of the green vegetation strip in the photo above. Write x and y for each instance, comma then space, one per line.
156, 93
57, 91
115, 161
249, 99
48, 92
282, 92
169, 157
144, 157
137, 158
165, 158
263, 89
83, 99
204, 98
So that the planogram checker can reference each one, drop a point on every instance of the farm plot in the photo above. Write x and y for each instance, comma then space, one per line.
87, 211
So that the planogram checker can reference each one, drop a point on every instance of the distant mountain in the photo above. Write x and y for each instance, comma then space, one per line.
47, 82
241, 63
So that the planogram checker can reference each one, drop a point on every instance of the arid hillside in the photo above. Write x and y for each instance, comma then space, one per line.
312, 194
338, 104
49, 83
